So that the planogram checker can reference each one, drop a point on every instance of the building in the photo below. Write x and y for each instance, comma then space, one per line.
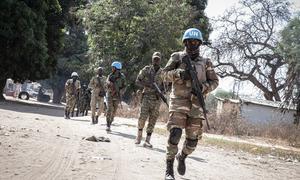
255, 110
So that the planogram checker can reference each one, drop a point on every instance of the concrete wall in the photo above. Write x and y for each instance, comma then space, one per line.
264, 114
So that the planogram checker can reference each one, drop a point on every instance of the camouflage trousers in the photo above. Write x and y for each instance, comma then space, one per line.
70, 103
94, 101
193, 132
149, 109
112, 107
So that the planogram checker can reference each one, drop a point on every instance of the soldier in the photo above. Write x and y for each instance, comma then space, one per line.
115, 83
72, 88
85, 100
150, 99
185, 111
97, 85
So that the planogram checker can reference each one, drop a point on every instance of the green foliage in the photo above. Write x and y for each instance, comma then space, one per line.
131, 30
72, 56
198, 17
223, 94
23, 41
290, 43
290, 48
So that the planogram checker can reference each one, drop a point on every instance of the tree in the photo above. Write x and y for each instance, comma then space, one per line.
23, 41
131, 30
72, 57
198, 18
247, 45
290, 48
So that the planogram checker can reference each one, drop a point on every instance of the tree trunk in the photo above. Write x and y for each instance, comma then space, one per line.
2, 85
58, 92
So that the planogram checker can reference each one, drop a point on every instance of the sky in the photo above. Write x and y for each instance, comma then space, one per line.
216, 8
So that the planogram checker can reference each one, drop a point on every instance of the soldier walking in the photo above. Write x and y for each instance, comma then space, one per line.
72, 88
97, 85
115, 83
185, 111
150, 99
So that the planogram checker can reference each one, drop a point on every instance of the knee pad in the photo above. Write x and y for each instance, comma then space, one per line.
191, 142
175, 135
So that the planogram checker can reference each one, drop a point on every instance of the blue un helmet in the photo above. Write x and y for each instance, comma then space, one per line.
117, 65
192, 33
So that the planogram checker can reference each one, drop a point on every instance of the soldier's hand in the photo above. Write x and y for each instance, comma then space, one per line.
205, 87
184, 74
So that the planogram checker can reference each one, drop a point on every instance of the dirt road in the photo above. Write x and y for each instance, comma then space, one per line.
37, 143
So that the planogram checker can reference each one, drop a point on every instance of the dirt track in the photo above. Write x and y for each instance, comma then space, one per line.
37, 143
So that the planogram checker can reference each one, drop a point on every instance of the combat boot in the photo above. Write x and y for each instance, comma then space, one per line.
93, 120
72, 114
139, 136
147, 141
181, 163
108, 126
66, 114
96, 120
169, 171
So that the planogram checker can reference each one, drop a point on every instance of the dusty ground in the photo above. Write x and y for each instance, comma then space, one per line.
37, 143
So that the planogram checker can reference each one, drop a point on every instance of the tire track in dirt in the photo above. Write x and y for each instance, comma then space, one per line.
59, 159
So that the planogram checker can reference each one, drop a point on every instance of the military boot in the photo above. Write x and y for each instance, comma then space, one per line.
93, 120
181, 163
139, 136
72, 114
169, 171
96, 120
66, 114
147, 141
108, 126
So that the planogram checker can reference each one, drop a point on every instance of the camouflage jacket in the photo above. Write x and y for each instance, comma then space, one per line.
114, 84
147, 76
97, 84
72, 89
181, 97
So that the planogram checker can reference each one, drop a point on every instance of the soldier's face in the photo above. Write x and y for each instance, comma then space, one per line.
156, 61
74, 78
100, 72
192, 44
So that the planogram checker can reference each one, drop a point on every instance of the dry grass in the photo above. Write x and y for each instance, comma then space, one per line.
228, 124
251, 148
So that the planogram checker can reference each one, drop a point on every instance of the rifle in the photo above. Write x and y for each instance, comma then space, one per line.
158, 91
197, 87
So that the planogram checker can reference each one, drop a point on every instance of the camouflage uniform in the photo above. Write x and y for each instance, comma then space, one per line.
85, 99
72, 90
97, 84
185, 111
150, 102
114, 84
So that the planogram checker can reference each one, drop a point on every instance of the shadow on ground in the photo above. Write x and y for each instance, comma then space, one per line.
28, 108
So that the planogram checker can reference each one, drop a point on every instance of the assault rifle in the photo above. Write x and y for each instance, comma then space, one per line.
158, 91
196, 86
